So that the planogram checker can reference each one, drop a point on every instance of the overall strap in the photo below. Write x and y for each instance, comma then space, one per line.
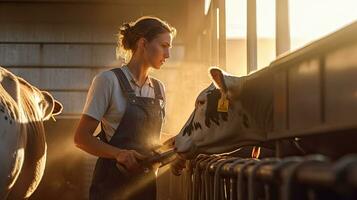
158, 94
101, 134
157, 89
123, 82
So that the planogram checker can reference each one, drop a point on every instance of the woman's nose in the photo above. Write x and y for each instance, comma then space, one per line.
167, 54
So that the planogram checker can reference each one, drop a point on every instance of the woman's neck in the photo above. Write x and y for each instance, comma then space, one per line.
140, 71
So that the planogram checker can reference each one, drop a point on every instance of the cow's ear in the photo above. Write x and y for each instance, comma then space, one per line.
217, 76
57, 109
54, 107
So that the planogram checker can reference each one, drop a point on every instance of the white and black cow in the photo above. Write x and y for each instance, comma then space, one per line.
23, 108
248, 120
245, 122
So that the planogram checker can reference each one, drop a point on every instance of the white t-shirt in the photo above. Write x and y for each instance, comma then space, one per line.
106, 102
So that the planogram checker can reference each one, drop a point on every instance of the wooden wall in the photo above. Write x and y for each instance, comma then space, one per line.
59, 46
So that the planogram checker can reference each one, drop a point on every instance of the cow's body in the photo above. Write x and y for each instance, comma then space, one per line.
22, 137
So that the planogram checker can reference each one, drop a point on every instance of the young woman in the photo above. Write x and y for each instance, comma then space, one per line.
129, 105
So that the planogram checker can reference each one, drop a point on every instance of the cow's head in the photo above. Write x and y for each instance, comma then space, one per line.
215, 128
30, 103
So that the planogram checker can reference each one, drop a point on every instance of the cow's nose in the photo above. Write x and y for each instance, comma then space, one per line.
183, 144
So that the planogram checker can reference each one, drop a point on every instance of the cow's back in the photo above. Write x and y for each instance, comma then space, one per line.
12, 135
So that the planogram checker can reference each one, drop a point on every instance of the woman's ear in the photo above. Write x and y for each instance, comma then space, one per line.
141, 43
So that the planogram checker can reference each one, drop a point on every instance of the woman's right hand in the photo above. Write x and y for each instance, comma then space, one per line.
129, 159
177, 165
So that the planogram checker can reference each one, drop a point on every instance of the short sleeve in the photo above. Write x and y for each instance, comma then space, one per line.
99, 96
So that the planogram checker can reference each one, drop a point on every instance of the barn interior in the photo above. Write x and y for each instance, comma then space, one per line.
60, 45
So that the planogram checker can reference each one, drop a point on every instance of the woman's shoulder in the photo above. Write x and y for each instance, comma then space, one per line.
107, 76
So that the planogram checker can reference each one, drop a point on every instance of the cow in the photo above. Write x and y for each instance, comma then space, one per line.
245, 119
232, 113
23, 108
228, 115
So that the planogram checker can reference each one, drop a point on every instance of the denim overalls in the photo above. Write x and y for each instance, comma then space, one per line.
139, 129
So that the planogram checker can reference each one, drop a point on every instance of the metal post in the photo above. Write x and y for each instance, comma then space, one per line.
222, 34
214, 30
251, 35
282, 32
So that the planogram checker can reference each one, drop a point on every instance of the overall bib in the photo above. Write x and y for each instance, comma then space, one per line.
138, 130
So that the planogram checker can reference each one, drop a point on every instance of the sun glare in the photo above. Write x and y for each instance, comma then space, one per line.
309, 20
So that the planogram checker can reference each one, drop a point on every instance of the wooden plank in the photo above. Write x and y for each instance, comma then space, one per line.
19, 54
57, 78
73, 102
74, 55
85, 13
69, 55
57, 32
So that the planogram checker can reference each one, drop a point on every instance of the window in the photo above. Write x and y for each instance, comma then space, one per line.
310, 20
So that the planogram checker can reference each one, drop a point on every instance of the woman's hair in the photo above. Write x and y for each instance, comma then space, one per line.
144, 27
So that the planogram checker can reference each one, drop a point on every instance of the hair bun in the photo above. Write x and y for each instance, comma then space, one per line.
126, 32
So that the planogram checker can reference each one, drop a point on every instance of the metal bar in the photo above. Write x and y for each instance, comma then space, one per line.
214, 36
282, 40
314, 175
251, 36
322, 129
222, 40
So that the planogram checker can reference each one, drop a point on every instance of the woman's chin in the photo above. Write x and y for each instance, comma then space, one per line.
158, 66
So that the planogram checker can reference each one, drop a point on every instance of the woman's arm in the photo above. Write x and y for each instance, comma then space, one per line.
85, 140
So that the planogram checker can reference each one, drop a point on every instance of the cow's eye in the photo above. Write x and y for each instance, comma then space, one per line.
200, 102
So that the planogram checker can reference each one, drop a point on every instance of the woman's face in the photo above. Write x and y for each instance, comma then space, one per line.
158, 50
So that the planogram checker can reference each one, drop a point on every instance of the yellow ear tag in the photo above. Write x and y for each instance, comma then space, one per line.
223, 104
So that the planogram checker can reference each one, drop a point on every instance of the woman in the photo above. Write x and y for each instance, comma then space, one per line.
129, 105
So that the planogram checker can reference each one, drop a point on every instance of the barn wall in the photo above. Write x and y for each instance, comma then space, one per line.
59, 46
